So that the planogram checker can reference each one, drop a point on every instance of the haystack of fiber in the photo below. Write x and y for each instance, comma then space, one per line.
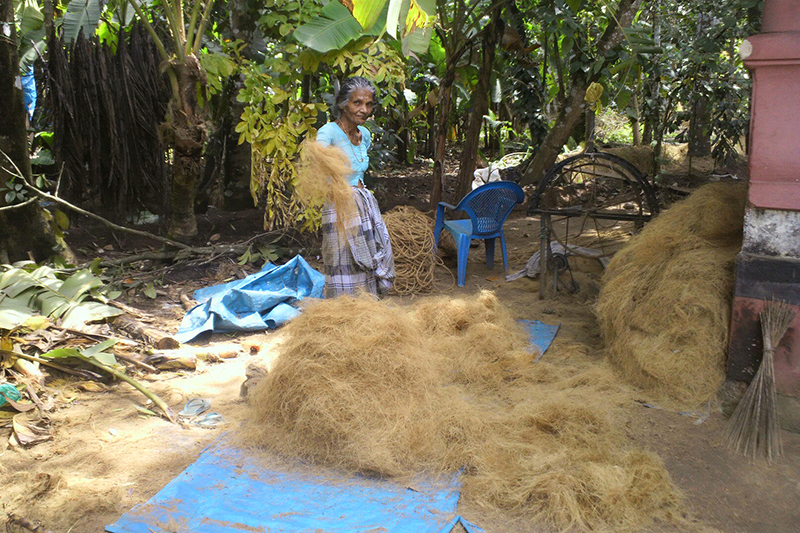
411, 234
448, 384
665, 303
322, 178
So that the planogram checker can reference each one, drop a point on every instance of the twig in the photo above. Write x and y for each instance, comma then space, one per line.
89, 214
136, 362
17, 206
94, 336
127, 308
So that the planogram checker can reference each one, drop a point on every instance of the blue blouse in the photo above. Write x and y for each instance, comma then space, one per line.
332, 135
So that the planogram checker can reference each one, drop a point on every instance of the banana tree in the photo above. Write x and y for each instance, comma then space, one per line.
184, 128
341, 22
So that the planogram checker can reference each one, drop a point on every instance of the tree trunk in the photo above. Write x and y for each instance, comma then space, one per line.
480, 104
442, 125
25, 232
700, 128
185, 132
570, 112
637, 131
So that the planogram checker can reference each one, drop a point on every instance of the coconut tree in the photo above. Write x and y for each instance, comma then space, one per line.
184, 128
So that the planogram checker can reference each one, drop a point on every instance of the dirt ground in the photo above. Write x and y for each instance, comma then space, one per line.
106, 456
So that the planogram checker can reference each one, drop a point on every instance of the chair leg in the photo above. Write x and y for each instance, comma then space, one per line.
505, 252
463, 253
489, 243
437, 232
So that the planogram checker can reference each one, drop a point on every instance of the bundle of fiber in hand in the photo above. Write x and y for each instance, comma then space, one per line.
411, 234
665, 303
448, 384
322, 178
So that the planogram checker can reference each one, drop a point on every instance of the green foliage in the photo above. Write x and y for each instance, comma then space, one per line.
332, 29
276, 119
336, 25
81, 15
259, 252
274, 122
13, 191
28, 291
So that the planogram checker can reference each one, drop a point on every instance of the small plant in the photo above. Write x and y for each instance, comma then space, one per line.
14, 191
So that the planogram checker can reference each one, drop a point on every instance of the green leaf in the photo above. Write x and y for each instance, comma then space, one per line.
61, 219
417, 41
217, 65
30, 17
332, 29
13, 313
574, 5
81, 15
367, 12
85, 312
150, 291
44, 157
99, 347
78, 284
62, 353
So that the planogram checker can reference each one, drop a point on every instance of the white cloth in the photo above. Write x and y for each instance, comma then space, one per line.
532, 266
485, 175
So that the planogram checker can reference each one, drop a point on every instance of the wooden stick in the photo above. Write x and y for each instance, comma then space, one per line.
136, 362
94, 336
159, 339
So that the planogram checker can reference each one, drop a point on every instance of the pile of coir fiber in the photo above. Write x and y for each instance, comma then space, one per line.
411, 235
665, 303
448, 384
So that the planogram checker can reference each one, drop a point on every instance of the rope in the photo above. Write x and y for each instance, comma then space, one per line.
411, 235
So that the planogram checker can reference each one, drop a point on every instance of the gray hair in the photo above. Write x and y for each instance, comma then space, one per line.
347, 88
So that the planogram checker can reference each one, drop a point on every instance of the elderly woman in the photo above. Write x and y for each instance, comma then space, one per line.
361, 261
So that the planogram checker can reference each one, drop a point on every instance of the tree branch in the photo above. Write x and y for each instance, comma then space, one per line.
89, 214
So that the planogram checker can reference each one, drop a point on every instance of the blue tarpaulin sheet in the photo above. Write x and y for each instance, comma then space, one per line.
541, 335
260, 301
227, 490
28, 82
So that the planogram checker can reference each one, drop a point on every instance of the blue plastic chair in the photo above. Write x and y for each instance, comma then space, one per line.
488, 206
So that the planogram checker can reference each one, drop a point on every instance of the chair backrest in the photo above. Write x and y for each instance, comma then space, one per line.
489, 205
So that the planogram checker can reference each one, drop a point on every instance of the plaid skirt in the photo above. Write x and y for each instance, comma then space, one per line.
363, 261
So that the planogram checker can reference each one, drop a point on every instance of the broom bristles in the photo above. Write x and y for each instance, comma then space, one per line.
753, 430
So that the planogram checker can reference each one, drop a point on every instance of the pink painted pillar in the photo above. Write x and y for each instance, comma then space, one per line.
769, 263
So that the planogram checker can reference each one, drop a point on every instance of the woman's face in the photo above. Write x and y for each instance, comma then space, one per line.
359, 107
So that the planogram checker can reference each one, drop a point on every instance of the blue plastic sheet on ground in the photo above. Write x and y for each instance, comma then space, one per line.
260, 301
228, 490
541, 335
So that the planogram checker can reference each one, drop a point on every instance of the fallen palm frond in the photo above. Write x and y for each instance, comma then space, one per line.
98, 357
665, 303
449, 384
28, 291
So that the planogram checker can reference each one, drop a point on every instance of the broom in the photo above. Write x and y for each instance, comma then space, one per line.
753, 428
